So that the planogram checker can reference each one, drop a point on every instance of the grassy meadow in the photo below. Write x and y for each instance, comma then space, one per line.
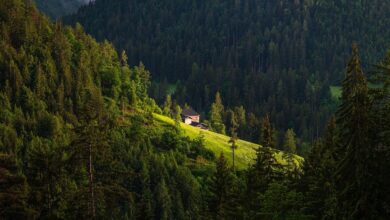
218, 143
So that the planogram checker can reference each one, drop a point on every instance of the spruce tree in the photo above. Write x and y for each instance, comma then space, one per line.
264, 171
177, 118
233, 136
381, 133
221, 191
167, 106
91, 140
290, 145
164, 203
354, 174
216, 115
13, 191
318, 179
290, 149
267, 133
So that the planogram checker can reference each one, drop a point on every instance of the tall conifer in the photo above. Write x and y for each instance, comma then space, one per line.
353, 172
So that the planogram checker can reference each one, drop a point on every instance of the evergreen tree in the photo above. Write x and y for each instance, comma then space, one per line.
290, 149
281, 202
264, 171
177, 118
240, 114
221, 191
91, 140
13, 191
289, 142
163, 209
233, 137
318, 178
216, 115
354, 169
267, 133
381, 133
167, 106
145, 205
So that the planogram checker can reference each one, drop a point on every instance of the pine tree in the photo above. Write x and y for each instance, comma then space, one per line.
163, 209
177, 118
354, 174
381, 134
318, 179
91, 139
289, 142
13, 191
145, 206
240, 114
233, 136
264, 171
267, 133
132, 96
221, 191
167, 106
216, 115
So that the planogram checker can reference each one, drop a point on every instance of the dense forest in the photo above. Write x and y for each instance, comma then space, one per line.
269, 56
78, 140
57, 8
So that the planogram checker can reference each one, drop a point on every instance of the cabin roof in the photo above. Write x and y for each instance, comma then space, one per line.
189, 112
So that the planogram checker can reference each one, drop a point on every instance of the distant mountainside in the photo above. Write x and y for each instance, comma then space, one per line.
59, 8
276, 56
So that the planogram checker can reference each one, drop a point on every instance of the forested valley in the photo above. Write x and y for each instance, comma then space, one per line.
79, 138
276, 57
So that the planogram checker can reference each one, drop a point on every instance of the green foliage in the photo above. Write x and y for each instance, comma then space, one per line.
267, 133
14, 190
177, 115
80, 138
280, 202
289, 141
264, 171
221, 200
268, 56
353, 119
216, 114
9, 141
73, 157
167, 109
218, 143
343, 176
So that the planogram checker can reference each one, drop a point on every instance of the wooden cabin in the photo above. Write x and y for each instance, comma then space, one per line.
190, 116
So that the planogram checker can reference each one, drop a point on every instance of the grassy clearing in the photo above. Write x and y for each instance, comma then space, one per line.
219, 143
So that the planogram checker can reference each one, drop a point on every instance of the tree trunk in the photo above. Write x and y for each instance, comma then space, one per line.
91, 188
234, 167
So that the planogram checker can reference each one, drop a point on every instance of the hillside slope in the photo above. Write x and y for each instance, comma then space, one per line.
218, 143
63, 154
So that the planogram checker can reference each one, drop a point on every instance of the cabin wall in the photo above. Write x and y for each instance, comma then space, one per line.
187, 120
195, 119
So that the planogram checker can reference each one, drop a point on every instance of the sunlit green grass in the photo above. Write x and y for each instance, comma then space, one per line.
218, 143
